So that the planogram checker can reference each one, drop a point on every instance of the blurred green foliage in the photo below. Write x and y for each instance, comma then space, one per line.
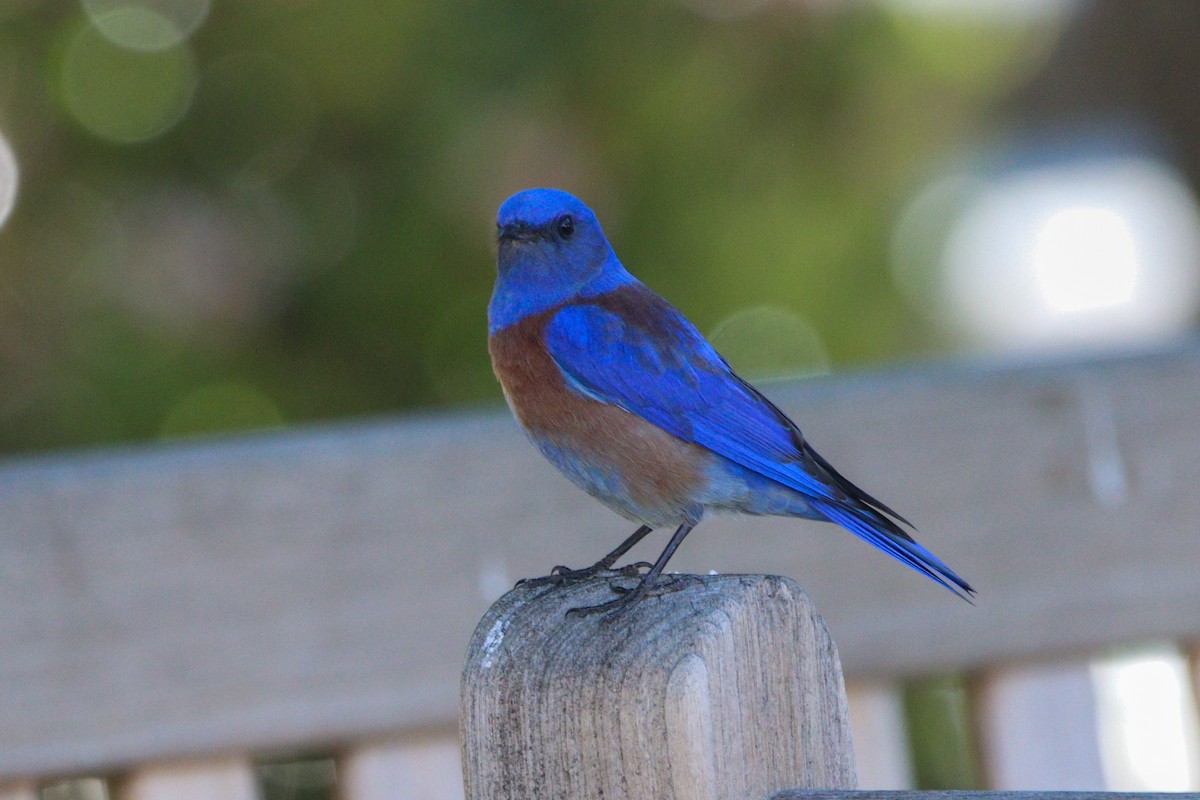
944, 752
301, 778
288, 216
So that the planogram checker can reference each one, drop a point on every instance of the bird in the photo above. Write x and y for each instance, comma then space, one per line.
620, 392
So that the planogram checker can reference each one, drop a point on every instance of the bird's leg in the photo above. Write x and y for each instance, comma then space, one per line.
561, 574
623, 548
645, 585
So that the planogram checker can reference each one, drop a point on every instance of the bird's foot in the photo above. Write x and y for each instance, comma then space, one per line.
561, 576
628, 597
625, 599
676, 582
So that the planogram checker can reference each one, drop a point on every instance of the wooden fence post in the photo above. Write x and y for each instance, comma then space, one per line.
728, 688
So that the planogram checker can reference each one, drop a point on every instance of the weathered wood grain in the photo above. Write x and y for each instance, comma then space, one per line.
727, 689
972, 795
319, 586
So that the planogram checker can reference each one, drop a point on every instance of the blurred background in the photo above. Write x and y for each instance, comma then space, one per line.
220, 216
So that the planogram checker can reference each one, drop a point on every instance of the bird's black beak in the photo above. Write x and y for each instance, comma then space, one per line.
517, 232
512, 232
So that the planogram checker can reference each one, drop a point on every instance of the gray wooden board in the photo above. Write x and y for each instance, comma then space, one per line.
808, 794
321, 585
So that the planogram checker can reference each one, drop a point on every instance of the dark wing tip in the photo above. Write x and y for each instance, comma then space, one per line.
852, 490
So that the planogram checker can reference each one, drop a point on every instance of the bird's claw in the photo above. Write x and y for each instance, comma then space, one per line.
664, 585
561, 575
627, 597
624, 600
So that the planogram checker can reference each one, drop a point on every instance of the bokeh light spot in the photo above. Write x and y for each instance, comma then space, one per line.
1085, 258
985, 46
221, 407
135, 28
123, 95
9, 177
1079, 252
146, 24
769, 342
1149, 733
995, 11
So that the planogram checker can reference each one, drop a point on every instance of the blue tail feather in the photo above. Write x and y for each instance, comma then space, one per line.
884, 534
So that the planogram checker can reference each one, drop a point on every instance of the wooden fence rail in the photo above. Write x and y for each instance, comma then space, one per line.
809, 794
317, 588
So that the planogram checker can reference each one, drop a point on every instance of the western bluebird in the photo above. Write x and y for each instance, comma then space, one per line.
621, 393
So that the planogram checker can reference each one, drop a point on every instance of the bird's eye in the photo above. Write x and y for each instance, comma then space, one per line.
566, 227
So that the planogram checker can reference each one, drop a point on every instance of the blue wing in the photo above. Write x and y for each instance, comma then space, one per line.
642, 355
668, 374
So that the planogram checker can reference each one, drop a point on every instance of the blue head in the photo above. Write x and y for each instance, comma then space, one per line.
551, 249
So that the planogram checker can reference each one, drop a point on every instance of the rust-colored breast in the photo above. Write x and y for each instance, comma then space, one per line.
661, 472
